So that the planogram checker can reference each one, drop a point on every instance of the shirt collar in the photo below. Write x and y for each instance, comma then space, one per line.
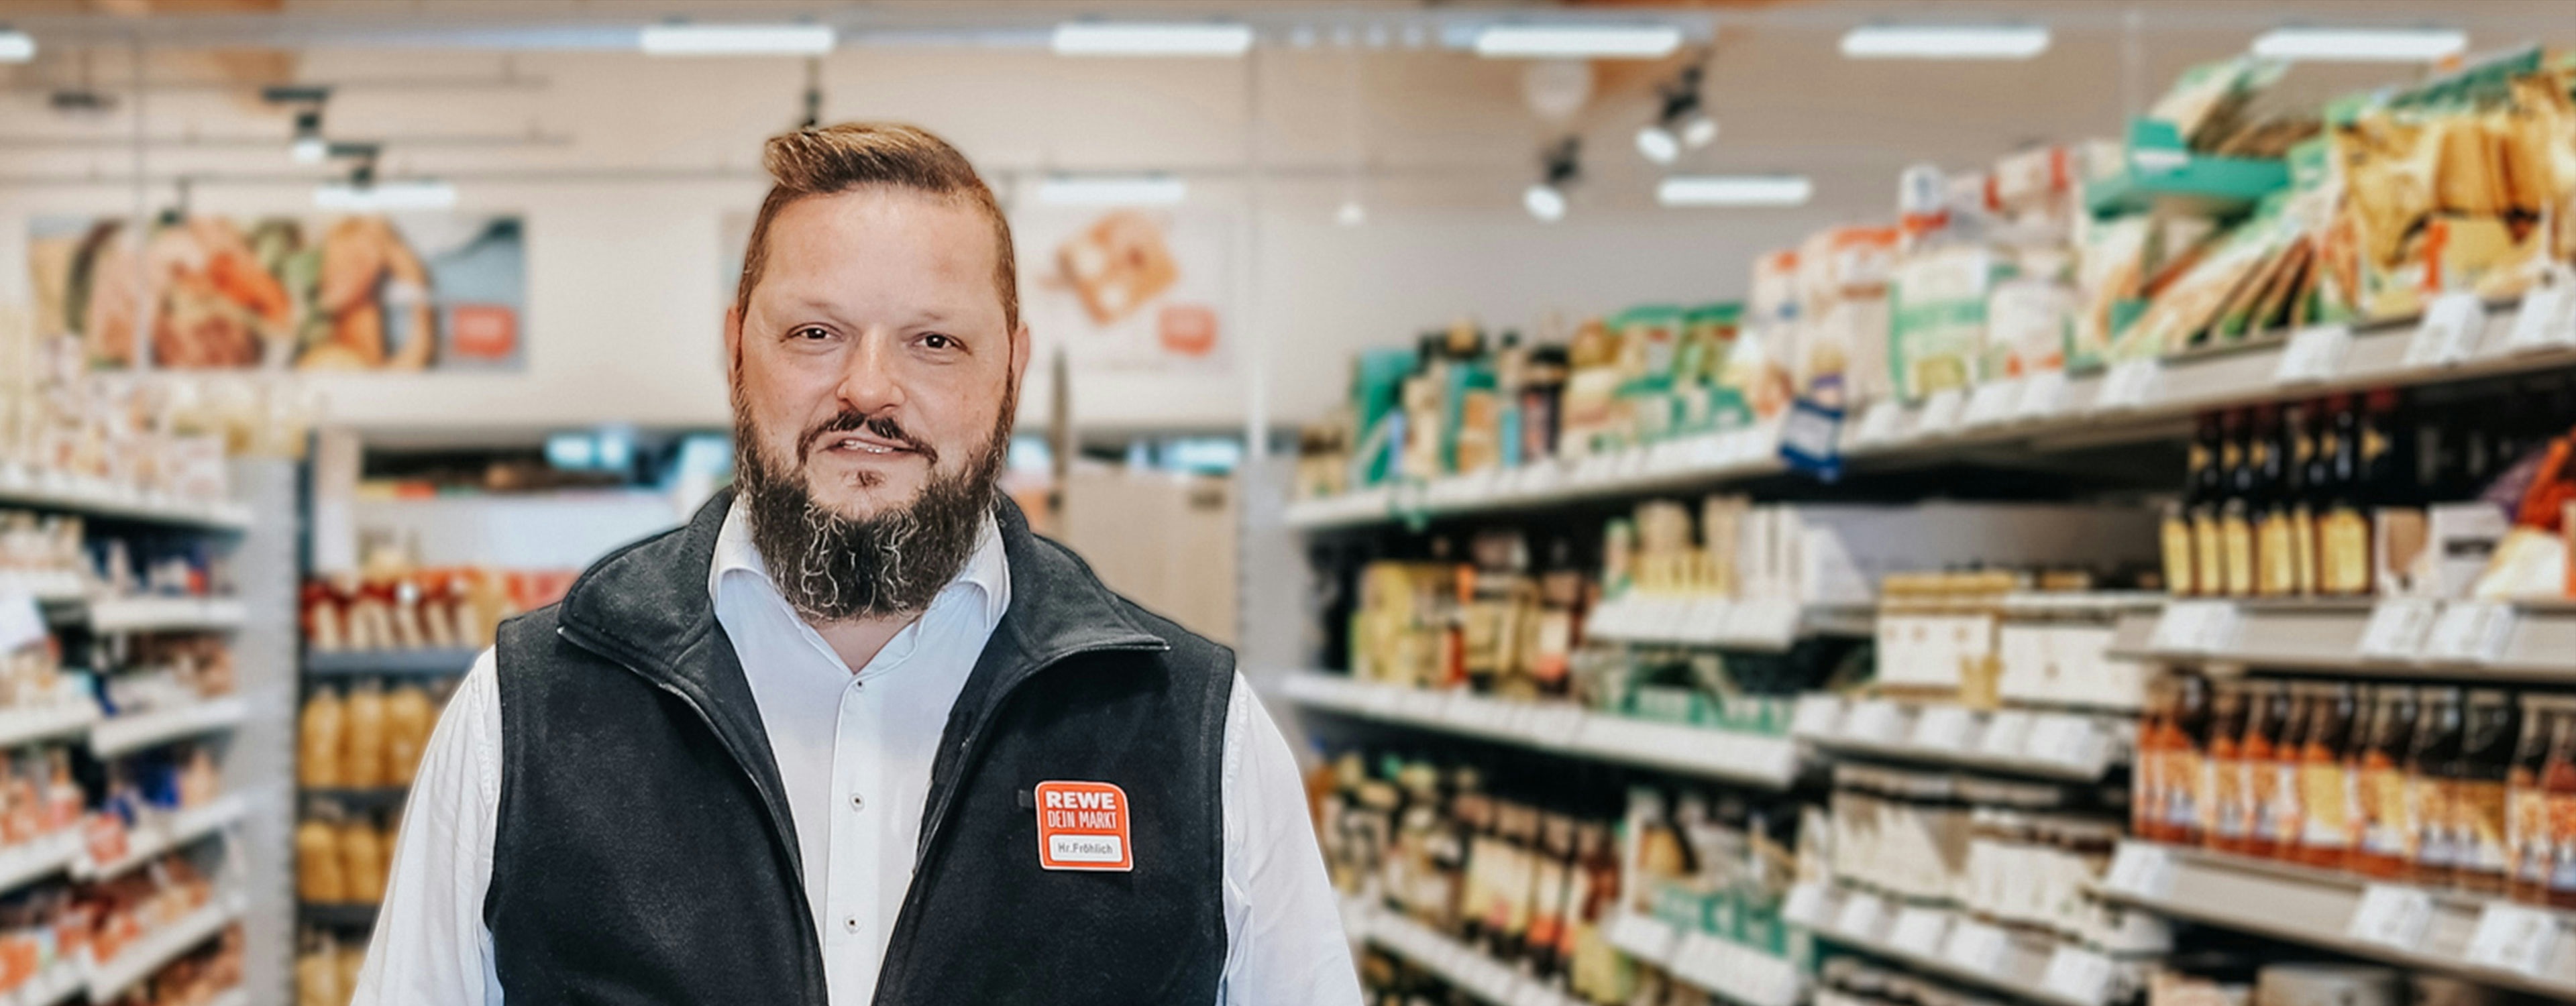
987, 572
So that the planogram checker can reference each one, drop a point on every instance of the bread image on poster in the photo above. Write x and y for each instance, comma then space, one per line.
1117, 265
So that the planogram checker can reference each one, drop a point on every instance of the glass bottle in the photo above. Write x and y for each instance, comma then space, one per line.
2186, 743
2272, 764
2241, 456
2343, 528
2314, 448
2177, 534
2431, 766
2387, 836
2147, 790
2558, 783
2527, 845
2478, 798
2325, 793
2222, 790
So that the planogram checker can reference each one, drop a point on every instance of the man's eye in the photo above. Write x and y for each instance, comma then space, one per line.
813, 332
937, 341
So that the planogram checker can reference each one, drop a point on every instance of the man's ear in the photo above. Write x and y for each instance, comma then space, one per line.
1019, 354
733, 343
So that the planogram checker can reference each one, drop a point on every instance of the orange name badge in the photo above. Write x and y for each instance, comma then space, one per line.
1083, 826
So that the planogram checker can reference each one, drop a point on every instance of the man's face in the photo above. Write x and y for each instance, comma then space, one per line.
878, 303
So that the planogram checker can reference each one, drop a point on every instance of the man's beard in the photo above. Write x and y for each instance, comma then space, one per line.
833, 568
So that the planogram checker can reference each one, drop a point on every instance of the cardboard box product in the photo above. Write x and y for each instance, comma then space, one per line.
1938, 318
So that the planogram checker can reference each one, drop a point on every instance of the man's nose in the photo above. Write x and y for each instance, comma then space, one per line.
869, 382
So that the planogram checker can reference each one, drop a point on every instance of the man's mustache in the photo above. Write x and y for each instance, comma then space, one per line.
860, 422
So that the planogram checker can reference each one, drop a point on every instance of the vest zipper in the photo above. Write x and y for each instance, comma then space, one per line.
899, 949
816, 991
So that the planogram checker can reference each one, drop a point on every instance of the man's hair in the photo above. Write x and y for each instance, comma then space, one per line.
821, 161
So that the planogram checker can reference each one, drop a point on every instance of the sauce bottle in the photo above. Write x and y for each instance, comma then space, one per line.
2558, 784
2325, 788
2272, 766
2526, 832
2186, 744
2431, 765
2222, 790
2316, 474
2147, 796
2343, 528
2278, 483
2208, 537
2478, 798
2387, 834
2237, 461
2176, 534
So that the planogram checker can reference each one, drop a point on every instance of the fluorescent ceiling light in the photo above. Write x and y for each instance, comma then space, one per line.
737, 39
1544, 201
1946, 41
16, 46
1735, 190
1109, 38
2370, 45
1578, 41
384, 197
310, 150
1112, 190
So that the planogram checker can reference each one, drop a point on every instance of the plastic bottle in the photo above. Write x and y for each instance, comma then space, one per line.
320, 733
362, 752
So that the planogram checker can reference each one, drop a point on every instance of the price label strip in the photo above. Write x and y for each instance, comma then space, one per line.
2007, 735
2392, 916
2042, 395
2313, 356
1806, 905
1975, 946
2141, 871
1919, 931
1943, 727
2130, 384
2449, 332
1861, 916
2514, 938
1993, 403
2548, 317
2078, 974
1816, 715
1881, 424
2397, 628
2471, 632
1941, 413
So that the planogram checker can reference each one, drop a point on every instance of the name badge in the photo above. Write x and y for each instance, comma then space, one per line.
1083, 826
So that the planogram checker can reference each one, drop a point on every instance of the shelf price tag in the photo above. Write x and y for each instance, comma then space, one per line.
1876, 720
2397, 627
2064, 739
2042, 395
1861, 915
2514, 938
1943, 727
1975, 946
2140, 870
2007, 735
1699, 957
1940, 413
2450, 331
1880, 423
2196, 627
2391, 916
1553, 724
2470, 632
2547, 318
1643, 938
1816, 715
1806, 905
1918, 931
2078, 974
2129, 384
2313, 355
1993, 402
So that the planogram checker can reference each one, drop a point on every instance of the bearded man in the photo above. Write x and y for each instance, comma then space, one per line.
855, 735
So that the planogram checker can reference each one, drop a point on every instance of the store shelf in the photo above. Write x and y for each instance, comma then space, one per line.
118, 735
336, 915
236, 997
155, 950
47, 491
1561, 728
48, 588
2069, 747
38, 858
392, 663
60, 718
1950, 945
1735, 624
170, 831
1731, 971
1458, 964
164, 614
2528, 641
58, 982
367, 798
2146, 402
2486, 939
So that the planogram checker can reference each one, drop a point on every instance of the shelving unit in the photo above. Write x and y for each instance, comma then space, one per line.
2523, 641
1734, 624
1456, 963
105, 979
1733, 972
2062, 746
2484, 938
164, 614
174, 831
72, 715
1762, 761
38, 858
1951, 945
46, 491
121, 735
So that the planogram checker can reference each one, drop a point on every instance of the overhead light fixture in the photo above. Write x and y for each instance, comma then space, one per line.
1113, 38
1112, 190
1946, 41
1679, 123
1735, 190
2361, 45
16, 46
1578, 41
1560, 166
309, 146
685, 39
385, 197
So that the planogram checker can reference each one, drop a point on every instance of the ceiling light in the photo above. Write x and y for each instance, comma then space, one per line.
1101, 38
1658, 144
16, 46
1699, 131
309, 146
1578, 41
2361, 45
1735, 190
1946, 41
1112, 190
1561, 166
385, 197
1544, 201
737, 39
1351, 213
1679, 123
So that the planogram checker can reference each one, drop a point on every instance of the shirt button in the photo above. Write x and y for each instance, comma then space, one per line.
850, 924
858, 802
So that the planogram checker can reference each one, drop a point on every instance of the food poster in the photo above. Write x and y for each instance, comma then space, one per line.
369, 293
1129, 289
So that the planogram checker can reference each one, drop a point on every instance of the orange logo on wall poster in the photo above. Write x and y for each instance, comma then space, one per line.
1186, 329
1083, 826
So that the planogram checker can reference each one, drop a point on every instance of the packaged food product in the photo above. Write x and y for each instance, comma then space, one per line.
322, 734
321, 877
1937, 318
362, 858
362, 751
408, 720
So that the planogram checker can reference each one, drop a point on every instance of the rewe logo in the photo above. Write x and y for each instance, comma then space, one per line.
1083, 826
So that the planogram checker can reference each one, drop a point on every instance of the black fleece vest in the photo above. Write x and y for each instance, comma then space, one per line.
645, 853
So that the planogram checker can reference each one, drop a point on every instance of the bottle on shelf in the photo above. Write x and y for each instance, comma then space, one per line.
2527, 845
2222, 805
2177, 534
2240, 457
2149, 786
2343, 526
2432, 765
2273, 494
2325, 794
2478, 798
2272, 765
2208, 533
2558, 787
2387, 834
2186, 744
2315, 448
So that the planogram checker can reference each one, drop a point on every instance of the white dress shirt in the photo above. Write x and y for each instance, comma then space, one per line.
854, 752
